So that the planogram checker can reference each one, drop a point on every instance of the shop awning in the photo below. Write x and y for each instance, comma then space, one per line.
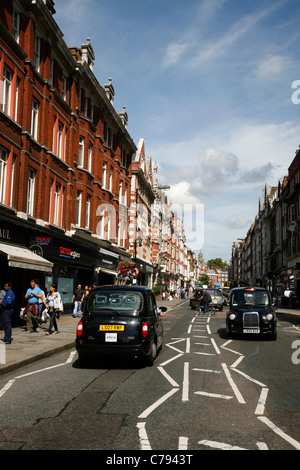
19, 257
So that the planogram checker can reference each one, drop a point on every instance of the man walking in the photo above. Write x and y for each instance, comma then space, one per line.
7, 310
32, 296
77, 298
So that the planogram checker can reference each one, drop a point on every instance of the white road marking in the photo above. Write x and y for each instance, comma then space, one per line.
11, 382
215, 346
236, 363
171, 360
168, 377
260, 409
262, 446
249, 378
155, 405
204, 354
280, 433
232, 384
7, 387
185, 385
219, 445
143, 437
183, 443
214, 395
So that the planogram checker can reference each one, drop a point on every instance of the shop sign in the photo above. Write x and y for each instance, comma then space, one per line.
4, 234
42, 240
68, 253
37, 249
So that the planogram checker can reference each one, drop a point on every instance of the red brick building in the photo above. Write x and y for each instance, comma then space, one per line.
65, 155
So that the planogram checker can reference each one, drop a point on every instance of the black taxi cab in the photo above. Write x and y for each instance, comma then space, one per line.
120, 321
251, 313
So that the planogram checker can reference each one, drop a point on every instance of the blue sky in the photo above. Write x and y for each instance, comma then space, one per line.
208, 85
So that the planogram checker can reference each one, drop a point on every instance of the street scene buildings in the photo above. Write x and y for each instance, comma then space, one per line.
269, 255
77, 195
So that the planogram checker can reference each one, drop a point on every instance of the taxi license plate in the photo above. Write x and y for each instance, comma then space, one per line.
251, 330
112, 328
111, 337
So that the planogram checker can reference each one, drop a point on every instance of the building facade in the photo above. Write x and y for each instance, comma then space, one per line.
77, 196
270, 253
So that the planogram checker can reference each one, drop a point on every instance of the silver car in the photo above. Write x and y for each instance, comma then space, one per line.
217, 300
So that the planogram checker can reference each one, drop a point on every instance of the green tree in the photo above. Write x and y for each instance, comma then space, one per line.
204, 280
218, 262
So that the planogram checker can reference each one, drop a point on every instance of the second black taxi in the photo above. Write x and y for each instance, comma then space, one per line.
251, 313
120, 321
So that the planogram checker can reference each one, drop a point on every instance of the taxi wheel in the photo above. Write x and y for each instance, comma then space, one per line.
153, 354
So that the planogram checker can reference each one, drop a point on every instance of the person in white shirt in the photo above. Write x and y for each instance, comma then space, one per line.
287, 297
52, 295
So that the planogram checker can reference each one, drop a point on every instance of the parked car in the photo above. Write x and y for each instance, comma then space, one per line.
251, 312
216, 298
120, 321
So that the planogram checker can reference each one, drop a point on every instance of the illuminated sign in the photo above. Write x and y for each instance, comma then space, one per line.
68, 253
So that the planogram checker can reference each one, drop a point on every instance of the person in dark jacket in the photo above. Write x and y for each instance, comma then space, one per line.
7, 310
206, 299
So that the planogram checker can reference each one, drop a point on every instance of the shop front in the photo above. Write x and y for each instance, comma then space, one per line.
107, 266
19, 263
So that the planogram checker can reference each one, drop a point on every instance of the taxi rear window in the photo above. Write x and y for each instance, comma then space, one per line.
106, 301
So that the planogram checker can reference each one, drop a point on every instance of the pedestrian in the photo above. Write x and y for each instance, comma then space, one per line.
7, 309
287, 297
86, 292
32, 297
42, 303
207, 299
77, 298
52, 310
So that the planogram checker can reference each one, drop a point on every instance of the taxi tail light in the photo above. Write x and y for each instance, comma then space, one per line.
80, 328
145, 330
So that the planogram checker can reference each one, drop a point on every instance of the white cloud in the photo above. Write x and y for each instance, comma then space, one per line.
212, 50
236, 222
173, 54
272, 67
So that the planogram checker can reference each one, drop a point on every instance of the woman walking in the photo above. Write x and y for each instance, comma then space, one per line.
51, 300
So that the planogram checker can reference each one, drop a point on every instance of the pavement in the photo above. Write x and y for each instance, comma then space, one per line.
30, 347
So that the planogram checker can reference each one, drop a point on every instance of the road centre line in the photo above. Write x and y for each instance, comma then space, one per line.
232, 384
185, 385
280, 433
156, 404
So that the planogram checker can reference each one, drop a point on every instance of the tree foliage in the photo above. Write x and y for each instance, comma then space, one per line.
218, 262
